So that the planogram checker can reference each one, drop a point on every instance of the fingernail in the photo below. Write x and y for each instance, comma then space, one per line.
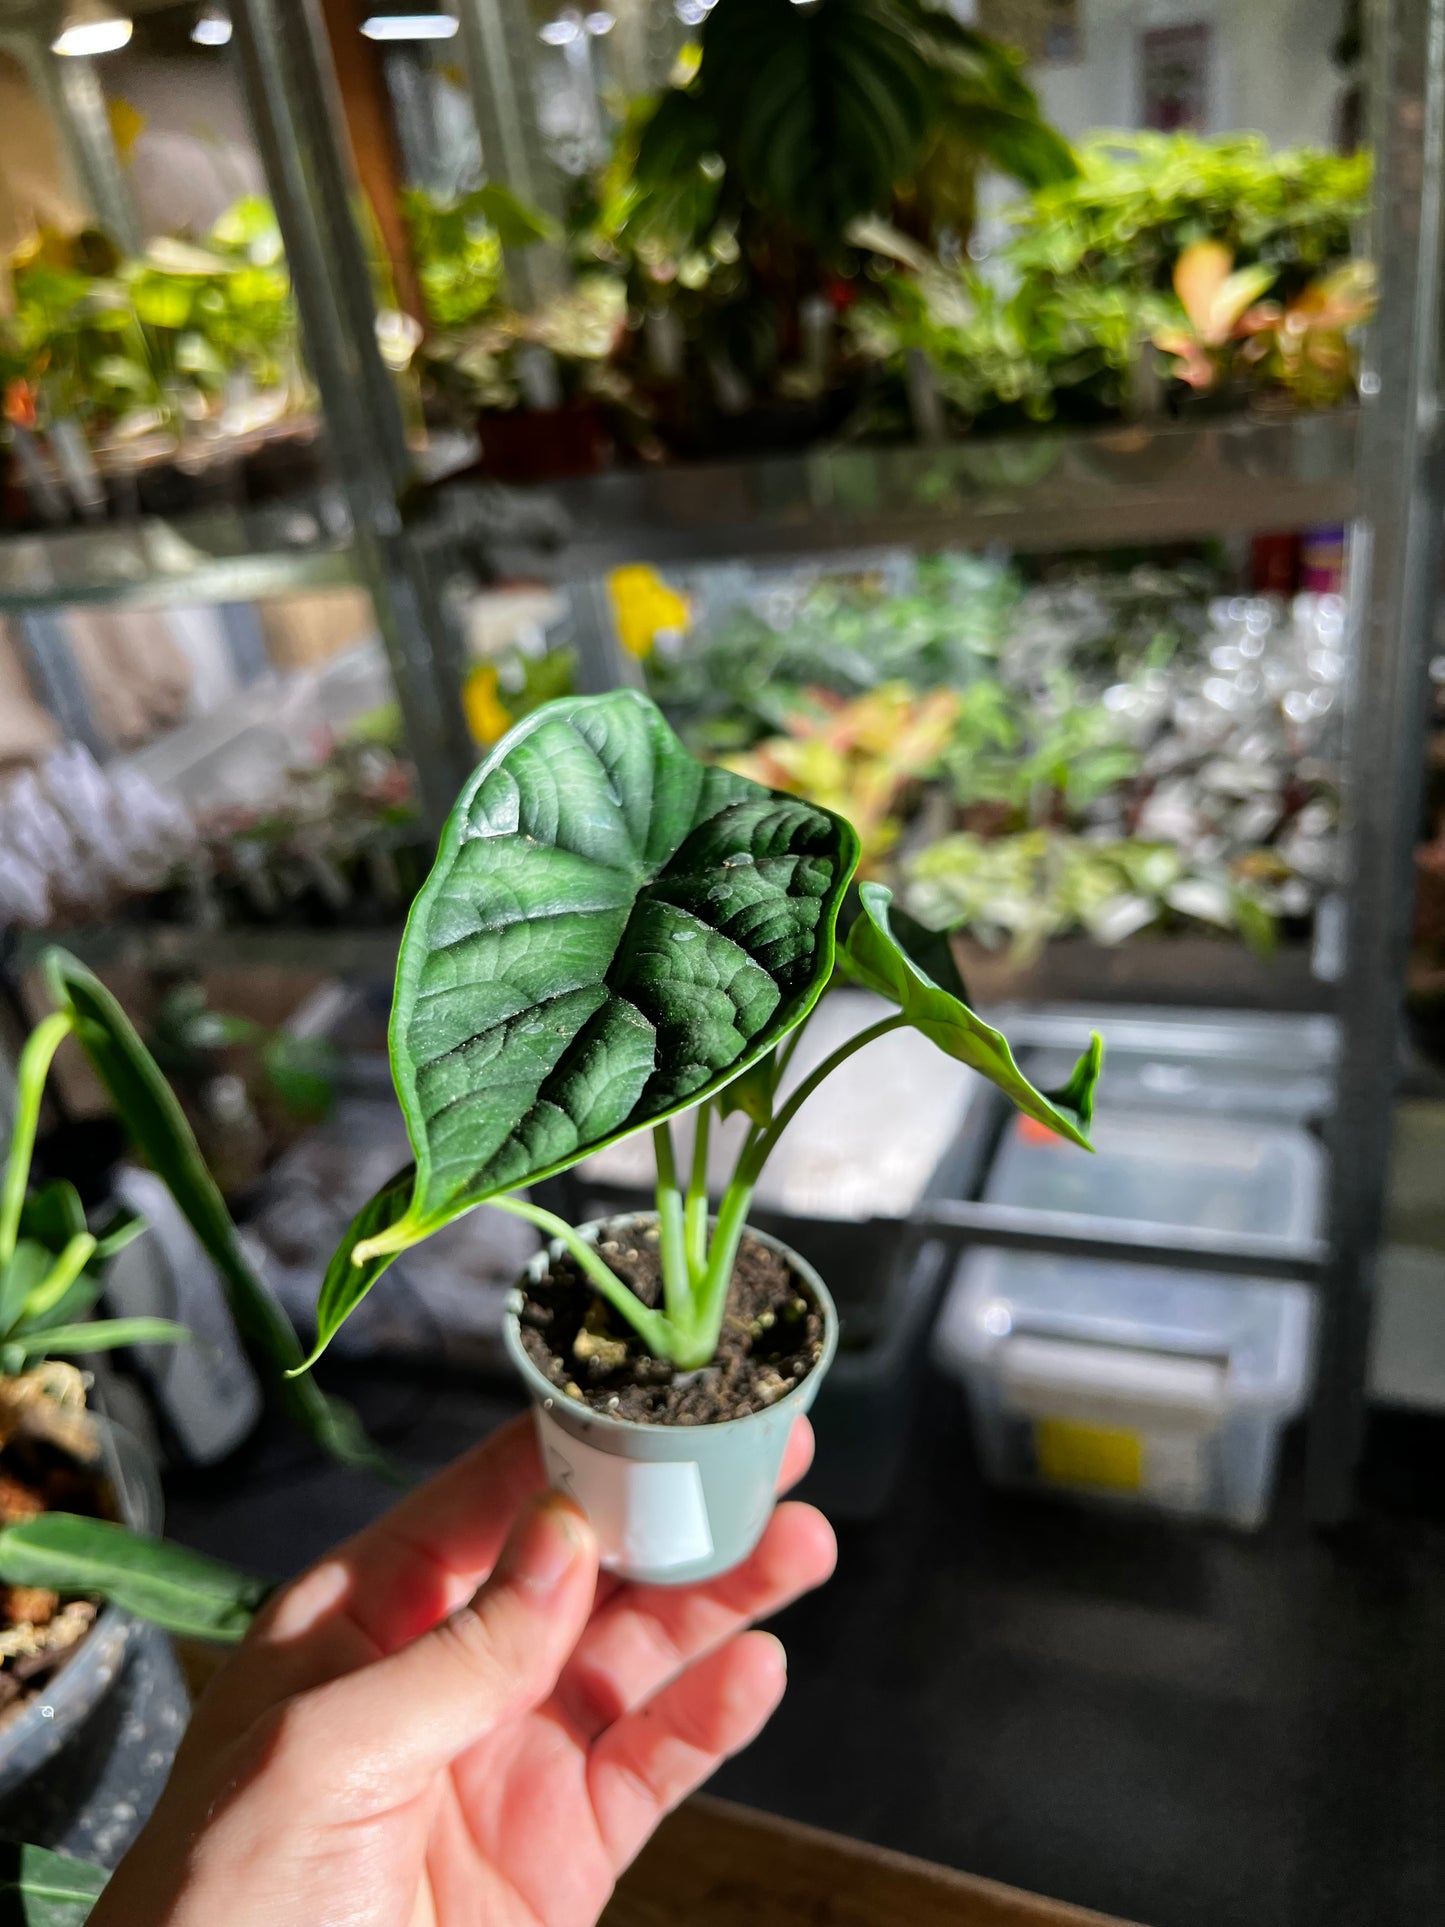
546, 1545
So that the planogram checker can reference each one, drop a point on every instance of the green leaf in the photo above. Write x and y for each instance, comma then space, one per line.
517, 223
53, 1215
69, 1309
612, 932
821, 110
100, 1335
28, 1268
752, 1093
122, 1229
301, 1071
877, 959
183, 1591
152, 1116
47, 1889
345, 1283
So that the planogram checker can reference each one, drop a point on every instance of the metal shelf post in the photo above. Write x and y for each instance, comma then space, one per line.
1394, 589
290, 88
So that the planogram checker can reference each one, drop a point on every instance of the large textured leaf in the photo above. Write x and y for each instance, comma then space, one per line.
183, 1591
153, 1118
612, 931
39, 1888
876, 958
822, 110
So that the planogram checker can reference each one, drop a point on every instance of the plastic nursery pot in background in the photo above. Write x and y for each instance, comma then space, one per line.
83, 1762
670, 1504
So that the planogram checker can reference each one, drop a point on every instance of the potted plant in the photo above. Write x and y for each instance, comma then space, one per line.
613, 934
78, 1500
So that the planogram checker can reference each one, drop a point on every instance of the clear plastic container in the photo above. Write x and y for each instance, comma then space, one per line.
1131, 1382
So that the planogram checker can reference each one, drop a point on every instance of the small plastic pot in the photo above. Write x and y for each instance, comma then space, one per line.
670, 1504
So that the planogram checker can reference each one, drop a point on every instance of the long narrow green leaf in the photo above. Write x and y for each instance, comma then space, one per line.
151, 1114
26, 1268
183, 1591
345, 1283
30, 1074
39, 1888
100, 1335
53, 1215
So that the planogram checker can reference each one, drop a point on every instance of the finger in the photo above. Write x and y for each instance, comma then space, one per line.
488, 1663
798, 1454
645, 1635
642, 1767
400, 1576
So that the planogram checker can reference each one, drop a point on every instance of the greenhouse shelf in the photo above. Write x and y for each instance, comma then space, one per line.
209, 556
1037, 491
300, 542
1045, 490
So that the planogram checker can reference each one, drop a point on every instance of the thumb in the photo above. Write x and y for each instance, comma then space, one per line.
488, 1663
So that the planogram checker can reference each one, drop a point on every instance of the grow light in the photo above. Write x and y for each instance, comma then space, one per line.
91, 27
410, 26
212, 28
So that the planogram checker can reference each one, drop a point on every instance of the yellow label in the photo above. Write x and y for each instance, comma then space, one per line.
642, 605
1071, 1454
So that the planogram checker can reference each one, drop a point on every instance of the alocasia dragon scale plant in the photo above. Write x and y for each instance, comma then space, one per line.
614, 933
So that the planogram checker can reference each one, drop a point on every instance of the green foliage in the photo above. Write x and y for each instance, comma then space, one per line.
822, 114
118, 344
1054, 325
1139, 199
613, 933
183, 1591
188, 1035
49, 1260
39, 1888
151, 1115
1038, 756
1028, 355
876, 959
457, 244
1027, 888
749, 673
688, 925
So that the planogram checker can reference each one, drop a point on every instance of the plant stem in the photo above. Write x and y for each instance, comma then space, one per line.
30, 1075
696, 1213
655, 1331
760, 1144
732, 1219
672, 1232
785, 1052
61, 1276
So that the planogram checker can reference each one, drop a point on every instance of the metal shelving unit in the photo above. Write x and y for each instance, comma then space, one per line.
1383, 468
1050, 489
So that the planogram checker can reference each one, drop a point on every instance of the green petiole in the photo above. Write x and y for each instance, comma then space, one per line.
30, 1074
651, 1327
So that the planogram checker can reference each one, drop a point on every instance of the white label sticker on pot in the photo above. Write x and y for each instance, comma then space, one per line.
645, 1512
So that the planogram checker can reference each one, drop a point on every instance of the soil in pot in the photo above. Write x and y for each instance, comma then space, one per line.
772, 1337
38, 1473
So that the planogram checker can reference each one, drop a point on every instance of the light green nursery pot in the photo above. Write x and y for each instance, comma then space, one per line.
670, 1504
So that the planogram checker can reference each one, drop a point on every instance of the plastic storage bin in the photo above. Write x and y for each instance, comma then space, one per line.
1137, 1383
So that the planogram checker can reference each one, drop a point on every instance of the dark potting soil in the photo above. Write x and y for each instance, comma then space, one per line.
39, 1629
772, 1337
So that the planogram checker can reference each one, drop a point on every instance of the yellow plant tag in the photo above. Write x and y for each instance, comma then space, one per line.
1072, 1454
642, 606
488, 717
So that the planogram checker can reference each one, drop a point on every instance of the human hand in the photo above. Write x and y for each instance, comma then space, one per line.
393, 1747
